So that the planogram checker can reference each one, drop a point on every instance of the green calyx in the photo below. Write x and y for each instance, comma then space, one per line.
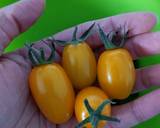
37, 56
74, 39
95, 115
115, 38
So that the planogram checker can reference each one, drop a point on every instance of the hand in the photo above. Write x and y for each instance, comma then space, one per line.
17, 108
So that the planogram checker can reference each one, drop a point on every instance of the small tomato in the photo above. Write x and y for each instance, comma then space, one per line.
79, 61
80, 64
92, 106
51, 88
116, 71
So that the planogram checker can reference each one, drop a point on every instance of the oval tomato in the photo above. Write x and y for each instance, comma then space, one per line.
116, 73
53, 92
95, 97
80, 64
78, 59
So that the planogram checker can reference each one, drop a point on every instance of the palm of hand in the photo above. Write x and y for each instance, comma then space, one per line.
17, 107
19, 110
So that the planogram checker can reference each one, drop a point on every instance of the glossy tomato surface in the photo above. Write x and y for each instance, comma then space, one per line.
80, 64
95, 96
53, 92
116, 73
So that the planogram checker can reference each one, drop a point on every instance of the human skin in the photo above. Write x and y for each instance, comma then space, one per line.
18, 109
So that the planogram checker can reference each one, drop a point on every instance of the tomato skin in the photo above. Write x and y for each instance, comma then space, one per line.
95, 96
116, 73
53, 92
80, 64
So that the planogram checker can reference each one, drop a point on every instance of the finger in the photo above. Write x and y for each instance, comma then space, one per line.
144, 45
136, 22
137, 111
147, 77
16, 18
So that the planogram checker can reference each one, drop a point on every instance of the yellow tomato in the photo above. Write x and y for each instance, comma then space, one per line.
53, 92
80, 64
95, 97
116, 73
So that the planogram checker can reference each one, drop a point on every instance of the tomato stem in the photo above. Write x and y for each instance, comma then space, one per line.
103, 117
42, 53
95, 115
89, 108
32, 57
147, 61
37, 57
74, 39
81, 124
115, 38
100, 108
87, 33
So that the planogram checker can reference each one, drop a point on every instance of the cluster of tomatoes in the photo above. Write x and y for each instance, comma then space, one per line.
53, 86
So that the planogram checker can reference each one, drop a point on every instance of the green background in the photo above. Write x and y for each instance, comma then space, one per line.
61, 14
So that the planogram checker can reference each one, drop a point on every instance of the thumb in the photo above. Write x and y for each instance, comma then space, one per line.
16, 18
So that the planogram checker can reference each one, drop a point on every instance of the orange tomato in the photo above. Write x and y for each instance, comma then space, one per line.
116, 73
80, 64
53, 92
95, 97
